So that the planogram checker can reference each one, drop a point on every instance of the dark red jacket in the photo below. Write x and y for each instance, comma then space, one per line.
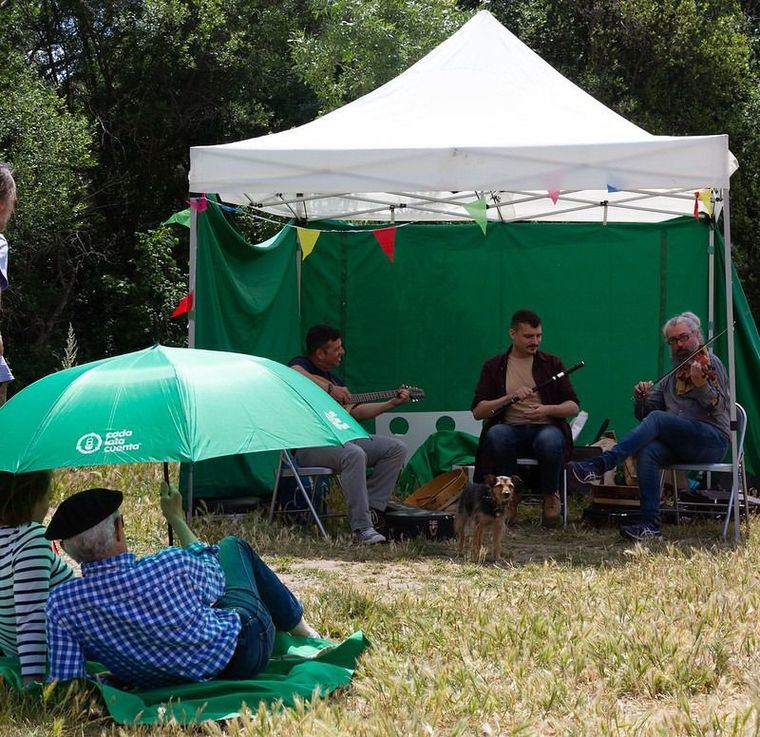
492, 385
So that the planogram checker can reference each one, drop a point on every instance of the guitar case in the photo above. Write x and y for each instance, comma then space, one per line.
404, 522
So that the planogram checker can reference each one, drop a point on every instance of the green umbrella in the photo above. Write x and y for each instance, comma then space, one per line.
167, 404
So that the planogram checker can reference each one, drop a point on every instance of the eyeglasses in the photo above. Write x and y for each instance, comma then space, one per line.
676, 339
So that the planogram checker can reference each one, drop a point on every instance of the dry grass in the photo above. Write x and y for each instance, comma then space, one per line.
574, 633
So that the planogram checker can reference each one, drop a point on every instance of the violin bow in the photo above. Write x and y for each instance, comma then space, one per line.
689, 357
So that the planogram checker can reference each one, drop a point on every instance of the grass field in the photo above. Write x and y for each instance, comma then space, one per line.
575, 632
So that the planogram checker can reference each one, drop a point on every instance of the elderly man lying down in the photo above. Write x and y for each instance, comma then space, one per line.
184, 614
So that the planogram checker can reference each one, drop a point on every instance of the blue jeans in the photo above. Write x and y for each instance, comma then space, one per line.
263, 602
661, 440
545, 443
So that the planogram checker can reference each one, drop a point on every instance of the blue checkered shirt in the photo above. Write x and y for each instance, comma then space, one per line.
150, 622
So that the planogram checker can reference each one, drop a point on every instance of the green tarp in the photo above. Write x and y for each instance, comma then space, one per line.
299, 669
433, 315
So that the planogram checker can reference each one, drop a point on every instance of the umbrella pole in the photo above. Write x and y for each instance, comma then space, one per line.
166, 478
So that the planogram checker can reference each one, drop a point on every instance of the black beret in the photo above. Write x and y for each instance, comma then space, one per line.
82, 511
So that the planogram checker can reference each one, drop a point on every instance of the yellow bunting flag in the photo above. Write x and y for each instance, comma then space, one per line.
308, 239
477, 211
705, 197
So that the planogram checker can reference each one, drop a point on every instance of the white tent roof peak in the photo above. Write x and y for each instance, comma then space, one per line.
480, 112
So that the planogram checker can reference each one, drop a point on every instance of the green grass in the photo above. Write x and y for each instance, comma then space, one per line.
575, 632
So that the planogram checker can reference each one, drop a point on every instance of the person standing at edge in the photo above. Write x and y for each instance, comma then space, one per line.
7, 206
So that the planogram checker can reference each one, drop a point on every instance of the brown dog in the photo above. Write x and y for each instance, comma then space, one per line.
484, 505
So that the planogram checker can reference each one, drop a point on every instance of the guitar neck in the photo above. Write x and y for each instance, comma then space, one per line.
371, 396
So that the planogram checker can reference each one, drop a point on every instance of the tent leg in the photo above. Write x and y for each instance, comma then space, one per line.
731, 365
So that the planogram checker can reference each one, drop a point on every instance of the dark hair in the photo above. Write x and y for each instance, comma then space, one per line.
7, 184
318, 335
524, 316
19, 493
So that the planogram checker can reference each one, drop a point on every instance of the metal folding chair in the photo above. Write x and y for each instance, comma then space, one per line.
288, 468
722, 467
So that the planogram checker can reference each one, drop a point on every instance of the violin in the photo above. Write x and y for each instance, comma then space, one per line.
684, 378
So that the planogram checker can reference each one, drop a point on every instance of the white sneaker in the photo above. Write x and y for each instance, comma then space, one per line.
368, 536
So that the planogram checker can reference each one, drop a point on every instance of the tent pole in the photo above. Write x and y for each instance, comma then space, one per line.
191, 329
711, 283
731, 367
191, 275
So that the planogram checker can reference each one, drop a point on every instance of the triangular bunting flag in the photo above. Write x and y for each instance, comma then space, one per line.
477, 211
199, 204
180, 218
386, 237
308, 239
696, 205
554, 195
185, 305
705, 197
610, 188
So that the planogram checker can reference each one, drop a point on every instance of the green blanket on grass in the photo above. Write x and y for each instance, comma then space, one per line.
299, 668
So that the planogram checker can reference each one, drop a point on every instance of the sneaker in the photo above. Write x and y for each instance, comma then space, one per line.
368, 536
641, 531
551, 511
587, 471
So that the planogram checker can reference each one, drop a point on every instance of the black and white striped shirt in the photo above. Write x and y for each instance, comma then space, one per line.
28, 569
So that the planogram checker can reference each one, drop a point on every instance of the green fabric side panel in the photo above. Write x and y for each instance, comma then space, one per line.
434, 315
298, 669
436, 455
246, 301
746, 350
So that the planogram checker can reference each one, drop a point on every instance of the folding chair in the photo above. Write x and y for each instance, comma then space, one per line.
722, 467
288, 468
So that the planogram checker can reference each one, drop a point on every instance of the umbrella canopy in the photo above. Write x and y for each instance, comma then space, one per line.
167, 404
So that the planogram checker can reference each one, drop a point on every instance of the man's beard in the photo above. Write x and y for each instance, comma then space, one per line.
681, 354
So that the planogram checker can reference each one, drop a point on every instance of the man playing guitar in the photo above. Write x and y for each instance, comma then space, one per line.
386, 456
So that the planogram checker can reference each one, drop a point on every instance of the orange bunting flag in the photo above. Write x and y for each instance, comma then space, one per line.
554, 195
705, 197
185, 305
308, 239
477, 211
386, 237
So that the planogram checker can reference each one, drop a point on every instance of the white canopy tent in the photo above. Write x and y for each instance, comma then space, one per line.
480, 117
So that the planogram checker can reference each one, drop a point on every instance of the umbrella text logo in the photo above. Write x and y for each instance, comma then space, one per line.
335, 420
89, 443
119, 441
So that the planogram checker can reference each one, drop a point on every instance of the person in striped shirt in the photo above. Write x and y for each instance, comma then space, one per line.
28, 570
182, 615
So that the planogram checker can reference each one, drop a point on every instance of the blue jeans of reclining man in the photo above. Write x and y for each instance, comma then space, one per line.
263, 602
545, 443
663, 439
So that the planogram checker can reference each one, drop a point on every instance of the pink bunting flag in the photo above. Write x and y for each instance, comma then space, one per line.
199, 204
386, 237
554, 195
185, 305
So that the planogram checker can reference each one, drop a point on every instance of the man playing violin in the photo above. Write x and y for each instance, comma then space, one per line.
532, 427
385, 456
685, 419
